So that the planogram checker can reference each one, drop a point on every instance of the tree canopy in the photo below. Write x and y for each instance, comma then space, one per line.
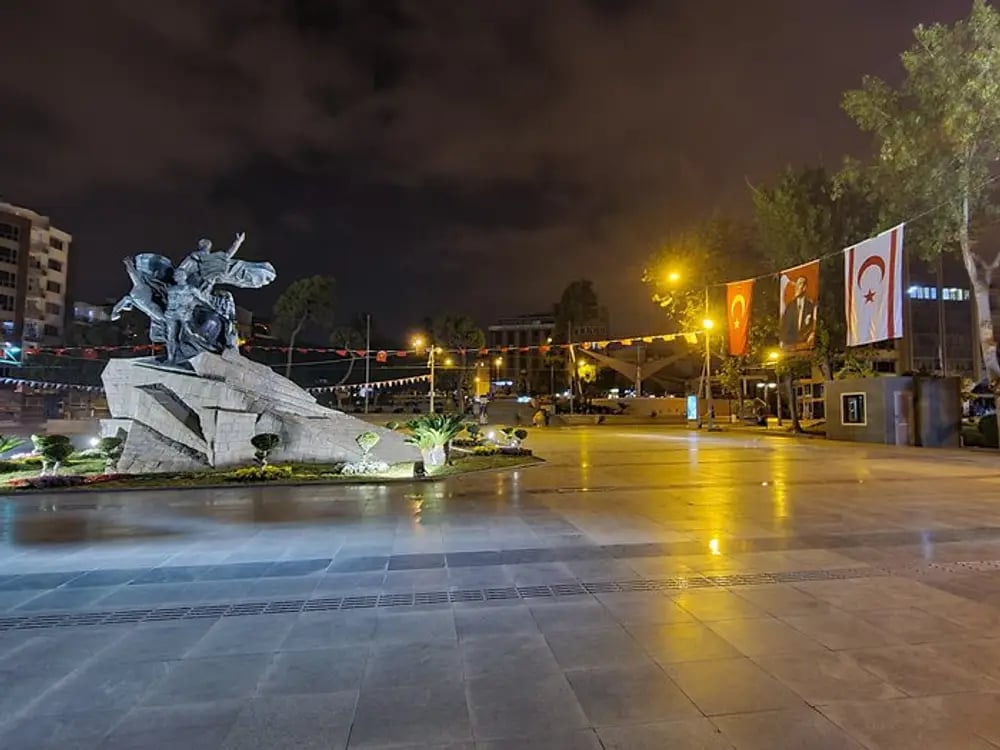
305, 302
938, 140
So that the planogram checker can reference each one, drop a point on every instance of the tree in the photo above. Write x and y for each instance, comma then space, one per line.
807, 214
578, 308
305, 302
460, 332
731, 380
938, 140
684, 266
351, 340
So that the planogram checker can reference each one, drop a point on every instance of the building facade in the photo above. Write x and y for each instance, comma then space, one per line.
86, 312
34, 265
945, 339
526, 370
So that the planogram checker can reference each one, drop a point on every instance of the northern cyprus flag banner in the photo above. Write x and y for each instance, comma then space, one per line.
873, 288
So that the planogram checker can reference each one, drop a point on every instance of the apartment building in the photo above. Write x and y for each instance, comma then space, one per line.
34, 264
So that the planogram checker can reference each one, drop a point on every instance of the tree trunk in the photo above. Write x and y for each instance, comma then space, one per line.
291, 348
979, 276
462, 375
350, 369
793, 406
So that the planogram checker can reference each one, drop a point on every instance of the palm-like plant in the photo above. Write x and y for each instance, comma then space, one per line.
432, 434
9, 443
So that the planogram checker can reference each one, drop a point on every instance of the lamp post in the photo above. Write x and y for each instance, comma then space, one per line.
773, 357
418, 344
672, 278
368, 359
498, 362
708, 324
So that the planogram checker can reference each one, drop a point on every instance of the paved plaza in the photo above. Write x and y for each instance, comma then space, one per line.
646, 588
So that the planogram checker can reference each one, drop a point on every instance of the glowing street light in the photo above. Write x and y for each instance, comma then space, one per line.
774, 355
708, 323
673, 277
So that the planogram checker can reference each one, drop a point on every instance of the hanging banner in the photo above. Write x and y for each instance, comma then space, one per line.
739, 296
873, 288
799, 289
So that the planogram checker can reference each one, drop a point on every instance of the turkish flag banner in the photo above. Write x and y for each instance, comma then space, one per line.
798, 307
873, 288
739, 295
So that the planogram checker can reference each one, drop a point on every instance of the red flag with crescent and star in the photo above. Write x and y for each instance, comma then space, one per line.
739, 295
873, 288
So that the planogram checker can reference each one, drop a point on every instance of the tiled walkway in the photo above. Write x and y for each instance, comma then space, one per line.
644, 589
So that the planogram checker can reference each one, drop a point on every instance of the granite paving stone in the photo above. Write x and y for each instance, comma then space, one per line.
647, 587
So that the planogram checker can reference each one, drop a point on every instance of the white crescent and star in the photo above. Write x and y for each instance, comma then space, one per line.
872, 261
741, 300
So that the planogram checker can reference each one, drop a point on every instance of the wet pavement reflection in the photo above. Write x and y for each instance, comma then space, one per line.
646, 587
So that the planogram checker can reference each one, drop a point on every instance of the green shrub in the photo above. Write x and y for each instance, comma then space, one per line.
9, 443
262, 473
54, 449
392, 426
485, 450
988, 429
110, 449
264, 443
6, 467
366, 441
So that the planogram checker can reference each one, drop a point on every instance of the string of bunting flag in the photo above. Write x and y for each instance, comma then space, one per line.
377, 384
48, 385
382, 355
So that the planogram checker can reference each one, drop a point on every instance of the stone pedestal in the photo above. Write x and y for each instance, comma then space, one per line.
203, 415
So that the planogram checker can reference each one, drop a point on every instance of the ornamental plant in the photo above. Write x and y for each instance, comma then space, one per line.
54, 449
366, 442
110, 449
264, 443
9, 443
432, 434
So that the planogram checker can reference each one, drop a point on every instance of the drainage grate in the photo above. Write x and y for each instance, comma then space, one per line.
421, 598
966, 566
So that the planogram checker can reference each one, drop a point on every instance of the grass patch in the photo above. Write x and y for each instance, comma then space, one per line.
287, 474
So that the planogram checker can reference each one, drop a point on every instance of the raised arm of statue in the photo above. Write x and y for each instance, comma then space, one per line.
236, 244
132, 273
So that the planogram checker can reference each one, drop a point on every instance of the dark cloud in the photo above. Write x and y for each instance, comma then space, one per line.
428, 153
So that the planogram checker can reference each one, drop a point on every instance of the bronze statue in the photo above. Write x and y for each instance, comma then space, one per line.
186, 315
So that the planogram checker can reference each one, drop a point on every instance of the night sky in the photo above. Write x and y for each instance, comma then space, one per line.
466, 156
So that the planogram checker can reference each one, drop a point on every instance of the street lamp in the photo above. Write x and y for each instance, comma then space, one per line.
774, 356
498, 362
708, 325
418, 344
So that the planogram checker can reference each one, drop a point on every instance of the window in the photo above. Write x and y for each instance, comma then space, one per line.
9, 231
51, 330
6, 302
949, 294
55, 265
57, 244
53, 286
8, 255
8, 279
51, 308
852, 409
